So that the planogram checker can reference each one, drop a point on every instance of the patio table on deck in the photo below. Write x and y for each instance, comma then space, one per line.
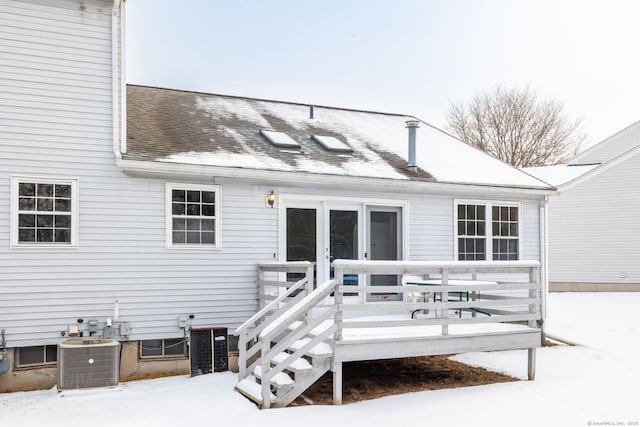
414, 280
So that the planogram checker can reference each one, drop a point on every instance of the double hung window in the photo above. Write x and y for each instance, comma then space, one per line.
487, 231
44, 212
193, 216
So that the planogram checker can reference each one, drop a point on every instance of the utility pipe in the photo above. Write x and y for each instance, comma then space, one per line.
115, 86
544, 251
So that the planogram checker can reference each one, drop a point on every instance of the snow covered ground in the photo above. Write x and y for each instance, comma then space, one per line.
596, 383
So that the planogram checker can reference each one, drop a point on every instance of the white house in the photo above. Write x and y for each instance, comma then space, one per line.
594, 230
138, 212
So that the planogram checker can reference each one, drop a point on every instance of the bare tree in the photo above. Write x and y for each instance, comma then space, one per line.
517, 127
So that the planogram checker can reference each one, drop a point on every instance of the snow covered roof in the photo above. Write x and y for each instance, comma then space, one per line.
609, 148
598, 158
167, 126
559, 174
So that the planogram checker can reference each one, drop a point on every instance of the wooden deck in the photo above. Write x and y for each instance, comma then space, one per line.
324, 328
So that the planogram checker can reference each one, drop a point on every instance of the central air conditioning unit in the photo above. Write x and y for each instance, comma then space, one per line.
88, 362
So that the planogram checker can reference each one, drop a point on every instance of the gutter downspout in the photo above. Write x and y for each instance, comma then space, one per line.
544, 255
123, 77
115, 84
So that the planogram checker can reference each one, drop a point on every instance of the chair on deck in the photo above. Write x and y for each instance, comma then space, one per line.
414, 297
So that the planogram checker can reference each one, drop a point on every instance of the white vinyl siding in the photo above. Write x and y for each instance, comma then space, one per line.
57, 120
594, 231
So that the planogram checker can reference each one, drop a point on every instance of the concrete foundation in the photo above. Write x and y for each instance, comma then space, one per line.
132, 367
23, 379
593, 287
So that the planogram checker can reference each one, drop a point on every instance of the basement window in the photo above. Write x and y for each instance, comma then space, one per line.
27, 357
163, 348
280, 139
332, 144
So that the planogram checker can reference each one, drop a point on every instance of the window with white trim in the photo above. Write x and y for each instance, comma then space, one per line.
487, 231
44, 212
193, 218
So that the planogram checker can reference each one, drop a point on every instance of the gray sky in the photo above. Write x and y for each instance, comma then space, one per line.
400, 56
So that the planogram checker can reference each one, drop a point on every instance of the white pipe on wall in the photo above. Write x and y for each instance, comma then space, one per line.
115, 87
123, 80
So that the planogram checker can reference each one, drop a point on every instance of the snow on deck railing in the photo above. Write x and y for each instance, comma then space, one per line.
494, 292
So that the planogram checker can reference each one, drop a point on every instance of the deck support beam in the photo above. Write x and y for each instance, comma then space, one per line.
531, 371
337, 383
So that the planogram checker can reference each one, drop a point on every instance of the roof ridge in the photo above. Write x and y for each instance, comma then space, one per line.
302, 104
576, 160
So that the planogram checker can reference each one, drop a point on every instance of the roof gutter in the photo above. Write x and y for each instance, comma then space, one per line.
115, 82
312, 178
599, 169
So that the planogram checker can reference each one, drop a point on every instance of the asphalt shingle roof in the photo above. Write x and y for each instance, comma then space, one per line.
193, 128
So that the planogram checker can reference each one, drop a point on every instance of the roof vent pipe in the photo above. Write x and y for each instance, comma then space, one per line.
412, 125
311, 111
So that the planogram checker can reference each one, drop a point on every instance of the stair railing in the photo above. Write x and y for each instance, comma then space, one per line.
248, 332
284, 329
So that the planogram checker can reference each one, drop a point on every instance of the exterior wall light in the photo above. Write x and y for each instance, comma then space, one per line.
271, 198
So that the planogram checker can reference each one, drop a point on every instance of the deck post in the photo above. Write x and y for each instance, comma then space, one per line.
242, 356
261, 289
337, 383
337, 336
531, 372
444, 299
310, 279
337, 300
265, 387
309, 288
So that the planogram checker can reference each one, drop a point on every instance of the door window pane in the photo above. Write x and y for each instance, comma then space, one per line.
384, 244
343, 234
301, 239
343, 240
301, 234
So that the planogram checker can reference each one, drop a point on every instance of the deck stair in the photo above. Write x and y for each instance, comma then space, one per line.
290, 349
299, 367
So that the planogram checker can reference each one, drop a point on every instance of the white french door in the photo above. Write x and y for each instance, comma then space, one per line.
324, 231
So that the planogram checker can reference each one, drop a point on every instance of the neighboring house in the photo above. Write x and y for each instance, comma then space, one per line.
142, 236
594, 231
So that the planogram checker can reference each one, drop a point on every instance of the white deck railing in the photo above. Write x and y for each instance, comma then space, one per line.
495, 292
276, 295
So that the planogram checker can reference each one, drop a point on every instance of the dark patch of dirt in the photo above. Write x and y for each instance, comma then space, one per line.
372, 379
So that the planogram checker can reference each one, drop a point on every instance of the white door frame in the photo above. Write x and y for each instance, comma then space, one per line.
323, 206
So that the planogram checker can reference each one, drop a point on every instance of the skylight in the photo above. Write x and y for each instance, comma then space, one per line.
280, 139
332, 144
